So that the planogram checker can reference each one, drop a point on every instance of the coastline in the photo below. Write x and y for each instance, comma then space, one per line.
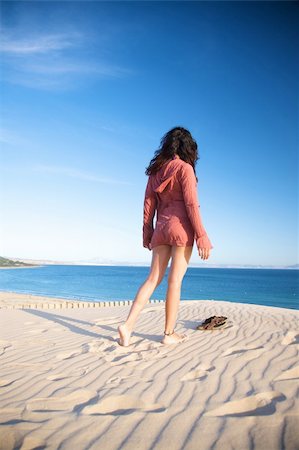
17, 300
20, 267
65, 380
206, 265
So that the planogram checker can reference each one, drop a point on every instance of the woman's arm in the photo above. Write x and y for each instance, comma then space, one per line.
149, 208
189, 188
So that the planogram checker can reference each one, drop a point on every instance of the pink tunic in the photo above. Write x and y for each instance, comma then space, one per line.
172, 192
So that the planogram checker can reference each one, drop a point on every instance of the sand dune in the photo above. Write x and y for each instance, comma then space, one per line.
65, 382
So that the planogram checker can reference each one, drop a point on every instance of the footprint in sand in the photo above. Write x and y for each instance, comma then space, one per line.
72, 353
140, 351
123, 359
117, 405
292, 337
155, 354
79, 372
113, 348
116, 349
290, 374
259, 404
200, 373
64, 403
116, 380
154, 347
96, 346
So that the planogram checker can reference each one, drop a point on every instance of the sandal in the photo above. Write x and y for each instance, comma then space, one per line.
212, 322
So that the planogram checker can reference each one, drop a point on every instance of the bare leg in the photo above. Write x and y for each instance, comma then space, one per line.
180, 260
160, 259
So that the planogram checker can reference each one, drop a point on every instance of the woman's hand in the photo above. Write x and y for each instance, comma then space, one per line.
204, 253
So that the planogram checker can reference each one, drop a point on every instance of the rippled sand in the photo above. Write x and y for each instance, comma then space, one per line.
66, 383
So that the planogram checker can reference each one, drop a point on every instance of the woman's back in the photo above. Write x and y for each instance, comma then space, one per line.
172, 192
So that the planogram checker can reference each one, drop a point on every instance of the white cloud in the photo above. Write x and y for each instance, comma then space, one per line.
53, 61
59, 67
38, 44
75, 173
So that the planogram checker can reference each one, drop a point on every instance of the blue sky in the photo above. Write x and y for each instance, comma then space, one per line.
88, 90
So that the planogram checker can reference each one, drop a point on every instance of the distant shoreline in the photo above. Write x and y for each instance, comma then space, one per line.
21, 267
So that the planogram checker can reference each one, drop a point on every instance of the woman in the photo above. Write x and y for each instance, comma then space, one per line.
171, 191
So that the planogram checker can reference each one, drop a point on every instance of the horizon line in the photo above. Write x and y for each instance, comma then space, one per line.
145, 264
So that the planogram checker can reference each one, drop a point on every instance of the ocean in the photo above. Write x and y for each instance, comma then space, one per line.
269, 287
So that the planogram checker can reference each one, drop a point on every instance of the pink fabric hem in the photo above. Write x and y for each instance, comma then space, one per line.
174, 244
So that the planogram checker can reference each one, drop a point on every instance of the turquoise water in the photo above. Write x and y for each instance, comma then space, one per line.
270, 287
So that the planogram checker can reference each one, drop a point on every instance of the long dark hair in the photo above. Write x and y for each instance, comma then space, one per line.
178, 141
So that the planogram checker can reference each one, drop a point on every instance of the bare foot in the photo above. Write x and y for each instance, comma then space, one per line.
174, 338
124, 335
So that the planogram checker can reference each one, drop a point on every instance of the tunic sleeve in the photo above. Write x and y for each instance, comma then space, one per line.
149, 209
189, 188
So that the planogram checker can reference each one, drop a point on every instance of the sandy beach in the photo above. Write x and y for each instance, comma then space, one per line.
66, 383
